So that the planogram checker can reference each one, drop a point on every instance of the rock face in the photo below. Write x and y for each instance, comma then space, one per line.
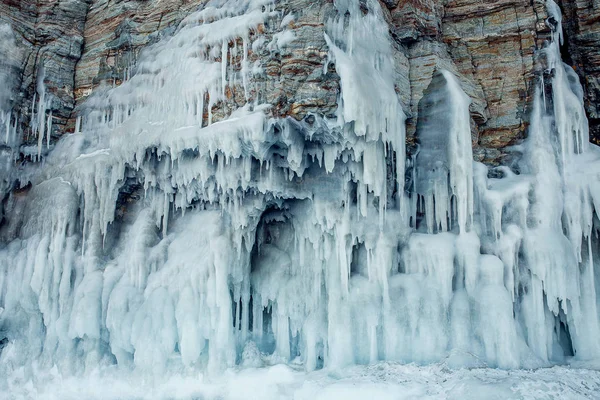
582, 26
491, 47
294, 80
494, 43
50, 38
116, 31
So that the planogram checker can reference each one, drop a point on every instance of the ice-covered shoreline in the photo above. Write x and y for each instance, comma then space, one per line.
280, 382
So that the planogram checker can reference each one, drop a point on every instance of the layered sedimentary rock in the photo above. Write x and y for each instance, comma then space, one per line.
49, 36
494, 42
582, 27
293, 79
491, 46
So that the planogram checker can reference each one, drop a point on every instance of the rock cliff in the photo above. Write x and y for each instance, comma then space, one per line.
490, 45
581, 50
80, 44
49, 36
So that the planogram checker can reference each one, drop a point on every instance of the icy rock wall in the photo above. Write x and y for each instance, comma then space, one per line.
158, 238
9, 138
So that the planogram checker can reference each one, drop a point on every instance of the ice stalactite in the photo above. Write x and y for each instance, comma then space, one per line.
97, 297
544, 217
363, 58
41, 119
444, 163
175, 230
559, 243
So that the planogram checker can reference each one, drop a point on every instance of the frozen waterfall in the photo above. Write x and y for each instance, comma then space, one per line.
173, 230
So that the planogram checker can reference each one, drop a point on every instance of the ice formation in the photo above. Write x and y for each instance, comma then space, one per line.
172, 230
9, 138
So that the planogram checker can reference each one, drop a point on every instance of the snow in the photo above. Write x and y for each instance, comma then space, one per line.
382, 381
176, 236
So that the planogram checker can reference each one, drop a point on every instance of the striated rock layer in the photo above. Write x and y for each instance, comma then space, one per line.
582, 27
490, 46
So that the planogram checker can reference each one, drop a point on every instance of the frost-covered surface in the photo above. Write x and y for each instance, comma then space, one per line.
381, 381
181, 230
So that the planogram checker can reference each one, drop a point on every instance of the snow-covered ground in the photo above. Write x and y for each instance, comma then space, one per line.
376, 382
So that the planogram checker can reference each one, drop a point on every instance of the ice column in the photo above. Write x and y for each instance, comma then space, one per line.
360, 47
443, 167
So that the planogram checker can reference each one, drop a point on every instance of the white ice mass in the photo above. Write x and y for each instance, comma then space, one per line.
162, 237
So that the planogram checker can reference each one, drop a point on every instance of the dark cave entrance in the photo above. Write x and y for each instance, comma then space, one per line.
274, 237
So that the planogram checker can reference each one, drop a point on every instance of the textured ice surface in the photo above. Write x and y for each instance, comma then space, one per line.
174, 232
444, 162
381, 381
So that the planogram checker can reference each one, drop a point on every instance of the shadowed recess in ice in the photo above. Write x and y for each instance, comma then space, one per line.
174, 229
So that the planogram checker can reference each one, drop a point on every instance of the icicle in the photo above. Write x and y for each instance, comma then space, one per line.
445, 156
7, 122
78, 124
224, 52
48, 129
245, 67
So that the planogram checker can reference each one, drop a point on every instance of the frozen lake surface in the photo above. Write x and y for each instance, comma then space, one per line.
380, 381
